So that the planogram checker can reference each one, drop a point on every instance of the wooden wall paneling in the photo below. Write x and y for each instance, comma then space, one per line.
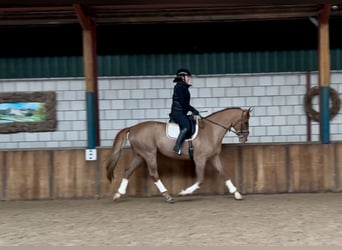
300, 168
326, 172
249, 169
28, 175
338, 168
264, 169
86, 176
311, 168
73, 176
2, 175
49, 174
275, 176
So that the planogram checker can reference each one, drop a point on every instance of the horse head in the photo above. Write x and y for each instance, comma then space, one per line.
241, 126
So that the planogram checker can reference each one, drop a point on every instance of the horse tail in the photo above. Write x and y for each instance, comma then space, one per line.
119, 143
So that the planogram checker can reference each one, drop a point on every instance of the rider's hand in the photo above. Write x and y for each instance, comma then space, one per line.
195, 112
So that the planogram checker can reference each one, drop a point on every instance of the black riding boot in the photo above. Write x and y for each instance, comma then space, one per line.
181, 138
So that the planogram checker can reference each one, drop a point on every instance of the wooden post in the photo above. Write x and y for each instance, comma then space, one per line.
308, 119
324, 72
90, 74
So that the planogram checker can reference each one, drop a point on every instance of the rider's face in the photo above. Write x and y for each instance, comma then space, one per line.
187, 79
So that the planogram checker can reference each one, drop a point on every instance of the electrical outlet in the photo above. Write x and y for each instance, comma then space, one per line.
90, 154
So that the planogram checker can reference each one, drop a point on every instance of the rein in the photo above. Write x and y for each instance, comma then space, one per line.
213, 122
241, 132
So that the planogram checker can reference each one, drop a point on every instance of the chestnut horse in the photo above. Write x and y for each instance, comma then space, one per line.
148, 138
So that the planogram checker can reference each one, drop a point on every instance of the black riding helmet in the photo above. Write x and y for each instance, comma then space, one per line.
183, 72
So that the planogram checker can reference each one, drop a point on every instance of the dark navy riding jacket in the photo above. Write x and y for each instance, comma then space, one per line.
181, 99
181, 105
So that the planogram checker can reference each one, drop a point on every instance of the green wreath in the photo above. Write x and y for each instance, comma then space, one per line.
315, 115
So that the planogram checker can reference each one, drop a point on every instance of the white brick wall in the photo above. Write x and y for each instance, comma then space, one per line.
70, 111
277, 100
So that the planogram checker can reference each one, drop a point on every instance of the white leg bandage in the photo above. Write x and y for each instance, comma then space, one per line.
123, 186
160, 186
190, 189
230, 186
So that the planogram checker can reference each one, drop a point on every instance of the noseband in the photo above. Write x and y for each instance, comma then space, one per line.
240, 133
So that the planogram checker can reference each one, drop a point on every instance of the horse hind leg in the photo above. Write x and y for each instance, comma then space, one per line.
135, 163
199, 178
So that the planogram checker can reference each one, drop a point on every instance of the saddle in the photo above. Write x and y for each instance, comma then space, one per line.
172, 129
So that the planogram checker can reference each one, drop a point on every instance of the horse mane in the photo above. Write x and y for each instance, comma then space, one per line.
219, 111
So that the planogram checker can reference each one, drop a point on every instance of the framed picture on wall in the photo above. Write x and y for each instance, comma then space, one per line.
27, 112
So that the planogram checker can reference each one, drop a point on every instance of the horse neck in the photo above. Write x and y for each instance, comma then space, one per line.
226, 117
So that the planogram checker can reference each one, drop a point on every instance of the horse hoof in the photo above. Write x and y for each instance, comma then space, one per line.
182, 193
170, 200
116, 196
238, 196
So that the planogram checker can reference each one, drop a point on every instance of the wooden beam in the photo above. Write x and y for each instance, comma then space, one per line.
84, 20
324, 48
90, 74
324, 73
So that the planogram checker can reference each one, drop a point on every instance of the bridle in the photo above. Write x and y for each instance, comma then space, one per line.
241, 133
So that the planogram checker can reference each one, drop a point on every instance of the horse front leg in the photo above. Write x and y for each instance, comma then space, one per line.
216, 162
153, 171
233, 190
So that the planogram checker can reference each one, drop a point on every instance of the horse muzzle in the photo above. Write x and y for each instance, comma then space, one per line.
243, 136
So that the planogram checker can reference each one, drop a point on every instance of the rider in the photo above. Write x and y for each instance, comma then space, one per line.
181, 106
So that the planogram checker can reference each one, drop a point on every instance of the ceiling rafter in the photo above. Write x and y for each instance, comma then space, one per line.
143, 11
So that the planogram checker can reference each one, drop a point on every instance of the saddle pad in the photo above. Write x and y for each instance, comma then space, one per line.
172, 131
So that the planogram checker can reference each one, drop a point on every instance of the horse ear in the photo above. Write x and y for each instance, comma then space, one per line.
250, 109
